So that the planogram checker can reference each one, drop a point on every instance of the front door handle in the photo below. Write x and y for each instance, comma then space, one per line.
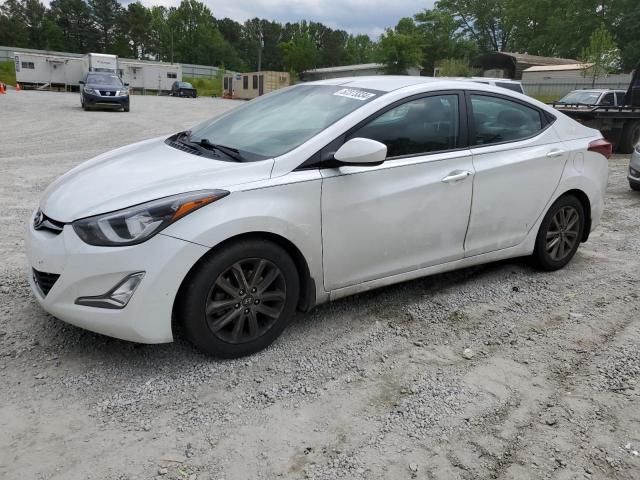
556, 152
456, 176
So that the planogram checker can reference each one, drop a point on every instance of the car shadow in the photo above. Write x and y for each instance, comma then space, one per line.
146, 359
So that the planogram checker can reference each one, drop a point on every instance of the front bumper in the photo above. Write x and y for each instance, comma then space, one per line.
634, 168
86, 270
107, 102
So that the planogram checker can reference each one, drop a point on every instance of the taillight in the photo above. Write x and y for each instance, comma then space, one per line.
602, 147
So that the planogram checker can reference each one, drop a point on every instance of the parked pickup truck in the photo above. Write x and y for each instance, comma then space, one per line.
620, 124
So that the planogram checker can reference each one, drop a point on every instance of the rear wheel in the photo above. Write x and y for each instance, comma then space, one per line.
630, 137
634, 186
238, 300
560, 234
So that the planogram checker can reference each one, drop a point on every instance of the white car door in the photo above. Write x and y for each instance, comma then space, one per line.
518, 160
411, 211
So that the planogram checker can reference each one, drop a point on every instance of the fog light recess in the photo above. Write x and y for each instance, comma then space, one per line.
117, 297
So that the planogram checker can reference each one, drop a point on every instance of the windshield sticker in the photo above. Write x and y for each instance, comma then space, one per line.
355, 94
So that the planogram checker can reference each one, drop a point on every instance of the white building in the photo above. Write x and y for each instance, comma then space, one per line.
571, 72
143, 75
54, 71
62, 72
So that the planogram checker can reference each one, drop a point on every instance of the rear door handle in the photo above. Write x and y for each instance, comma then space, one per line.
456, 176
556, 152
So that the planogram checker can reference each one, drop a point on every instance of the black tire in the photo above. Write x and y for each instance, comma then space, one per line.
634, 186
201, 290
630, 137
542, 257
125, 108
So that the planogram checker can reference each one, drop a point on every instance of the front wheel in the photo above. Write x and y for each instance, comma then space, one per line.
239, 299
560, 234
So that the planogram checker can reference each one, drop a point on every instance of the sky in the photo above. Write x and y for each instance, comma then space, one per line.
370, 17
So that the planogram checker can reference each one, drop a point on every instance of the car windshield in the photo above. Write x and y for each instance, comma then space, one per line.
581, 97
276, 123
103, 80
185, 85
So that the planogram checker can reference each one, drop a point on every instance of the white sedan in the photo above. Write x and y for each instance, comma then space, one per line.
309, 194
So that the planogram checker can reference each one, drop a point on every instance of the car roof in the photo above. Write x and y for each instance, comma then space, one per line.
597, 90
491, 79
388, 83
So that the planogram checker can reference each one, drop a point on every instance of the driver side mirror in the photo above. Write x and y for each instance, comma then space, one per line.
126, 84
361, 152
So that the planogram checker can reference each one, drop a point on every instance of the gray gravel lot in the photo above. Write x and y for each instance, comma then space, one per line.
370, 387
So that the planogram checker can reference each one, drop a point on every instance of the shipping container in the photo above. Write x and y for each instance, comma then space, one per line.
246, 86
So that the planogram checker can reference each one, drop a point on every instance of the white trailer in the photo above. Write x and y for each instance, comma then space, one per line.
100, 62
47, 71
143, 75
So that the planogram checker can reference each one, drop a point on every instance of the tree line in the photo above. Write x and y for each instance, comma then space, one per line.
448, 35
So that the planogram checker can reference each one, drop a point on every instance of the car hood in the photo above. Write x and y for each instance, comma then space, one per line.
139, 173
101, 86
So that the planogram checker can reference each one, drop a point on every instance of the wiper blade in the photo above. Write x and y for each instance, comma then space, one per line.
228, 151
185, 137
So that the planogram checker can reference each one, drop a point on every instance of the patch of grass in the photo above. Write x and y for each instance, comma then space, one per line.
546, 98
206, 87
8, 72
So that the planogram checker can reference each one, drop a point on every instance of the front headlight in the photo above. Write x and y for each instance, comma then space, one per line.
136, 224
123, 93
89, 90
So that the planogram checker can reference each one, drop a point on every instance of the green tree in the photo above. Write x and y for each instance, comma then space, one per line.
53, 36
455, 67
105, 15
602, 53
300, 53
73, 17
135, 25
627, 33
442, 37
359, 49
13, 30
490, 23
400, 49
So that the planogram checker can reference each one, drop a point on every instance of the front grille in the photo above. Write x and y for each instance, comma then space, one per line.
45, 281
49, 224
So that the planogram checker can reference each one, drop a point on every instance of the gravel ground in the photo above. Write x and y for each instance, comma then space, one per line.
376, 386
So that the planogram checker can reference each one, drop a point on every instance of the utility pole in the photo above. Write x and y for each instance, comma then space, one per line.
260, 47
171, 45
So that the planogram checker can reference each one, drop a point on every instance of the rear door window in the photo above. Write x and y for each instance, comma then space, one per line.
498, 120
620, 98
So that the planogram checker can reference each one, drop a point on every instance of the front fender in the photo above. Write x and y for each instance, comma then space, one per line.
289, 209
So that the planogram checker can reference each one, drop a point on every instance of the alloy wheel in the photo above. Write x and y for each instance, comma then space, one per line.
562, 234
246, 300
